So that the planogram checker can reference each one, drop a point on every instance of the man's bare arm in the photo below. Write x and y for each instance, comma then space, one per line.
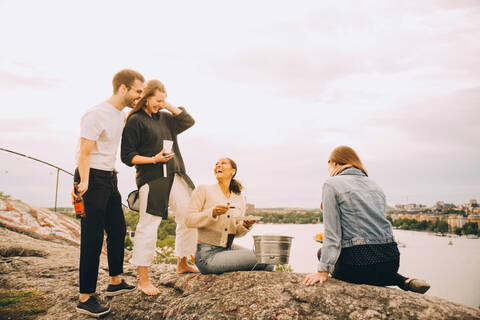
86, 147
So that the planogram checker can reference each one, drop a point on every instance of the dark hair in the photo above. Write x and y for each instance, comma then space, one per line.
126, 77
150, 90
235, 185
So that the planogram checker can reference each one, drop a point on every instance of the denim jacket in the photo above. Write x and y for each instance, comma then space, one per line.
353, 214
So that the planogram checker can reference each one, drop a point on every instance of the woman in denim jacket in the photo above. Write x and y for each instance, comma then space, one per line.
358, 244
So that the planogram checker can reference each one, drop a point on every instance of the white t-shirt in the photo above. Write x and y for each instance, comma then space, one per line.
104, 125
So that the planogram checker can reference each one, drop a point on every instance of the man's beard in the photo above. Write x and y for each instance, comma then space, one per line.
130, 103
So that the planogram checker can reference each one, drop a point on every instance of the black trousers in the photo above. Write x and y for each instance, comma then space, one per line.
103, 209
378, 274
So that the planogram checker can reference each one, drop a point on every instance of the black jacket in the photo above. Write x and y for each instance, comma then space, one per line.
143, 135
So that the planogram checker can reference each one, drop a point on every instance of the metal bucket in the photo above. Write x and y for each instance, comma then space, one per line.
272, 249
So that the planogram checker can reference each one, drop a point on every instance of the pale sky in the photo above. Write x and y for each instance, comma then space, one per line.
274, 85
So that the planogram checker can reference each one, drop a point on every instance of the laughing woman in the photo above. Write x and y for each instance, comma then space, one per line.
215, 210
358, 246
146, 130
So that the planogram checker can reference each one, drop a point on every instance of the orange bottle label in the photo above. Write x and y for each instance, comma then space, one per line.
79, 209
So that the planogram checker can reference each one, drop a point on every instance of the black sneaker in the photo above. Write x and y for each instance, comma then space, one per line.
115, 289
92, 308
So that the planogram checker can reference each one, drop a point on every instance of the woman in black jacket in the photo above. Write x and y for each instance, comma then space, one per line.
161, 178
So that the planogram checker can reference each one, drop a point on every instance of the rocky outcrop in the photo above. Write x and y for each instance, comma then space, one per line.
52, 268
38, 222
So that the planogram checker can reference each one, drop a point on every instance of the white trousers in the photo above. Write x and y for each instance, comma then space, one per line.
145, 240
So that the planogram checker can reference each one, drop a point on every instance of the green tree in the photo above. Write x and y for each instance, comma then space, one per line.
167, 228
454, 211
430, 226
470, 228
165, 232
458, 230
442, 227
423, 225
131, 219
309, 217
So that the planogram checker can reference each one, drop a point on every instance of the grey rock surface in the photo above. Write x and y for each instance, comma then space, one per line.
52, 268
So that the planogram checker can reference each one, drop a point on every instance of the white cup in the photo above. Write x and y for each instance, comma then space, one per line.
167, 145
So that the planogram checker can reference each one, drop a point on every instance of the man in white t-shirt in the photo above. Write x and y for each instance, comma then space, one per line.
100, 132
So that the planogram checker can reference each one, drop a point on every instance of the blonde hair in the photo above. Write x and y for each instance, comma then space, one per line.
150, 89
344, 155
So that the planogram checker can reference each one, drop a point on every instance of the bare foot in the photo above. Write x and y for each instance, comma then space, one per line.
148, 288
186, 269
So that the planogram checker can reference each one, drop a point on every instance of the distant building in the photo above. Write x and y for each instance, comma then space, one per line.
429, 218
415, 206
394, 216
409, 216
472, 207
440, 206
410, 207
250, 207
474, 218
456, 221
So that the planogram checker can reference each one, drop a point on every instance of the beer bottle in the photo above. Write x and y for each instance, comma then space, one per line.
78, 203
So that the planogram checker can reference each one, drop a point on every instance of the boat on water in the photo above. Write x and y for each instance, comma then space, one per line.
450, 243
472, 236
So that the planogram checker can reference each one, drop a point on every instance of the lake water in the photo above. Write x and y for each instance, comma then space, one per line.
453, 271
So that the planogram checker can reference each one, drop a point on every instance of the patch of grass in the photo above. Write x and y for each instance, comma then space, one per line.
23, 304
164, 251
283, 268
